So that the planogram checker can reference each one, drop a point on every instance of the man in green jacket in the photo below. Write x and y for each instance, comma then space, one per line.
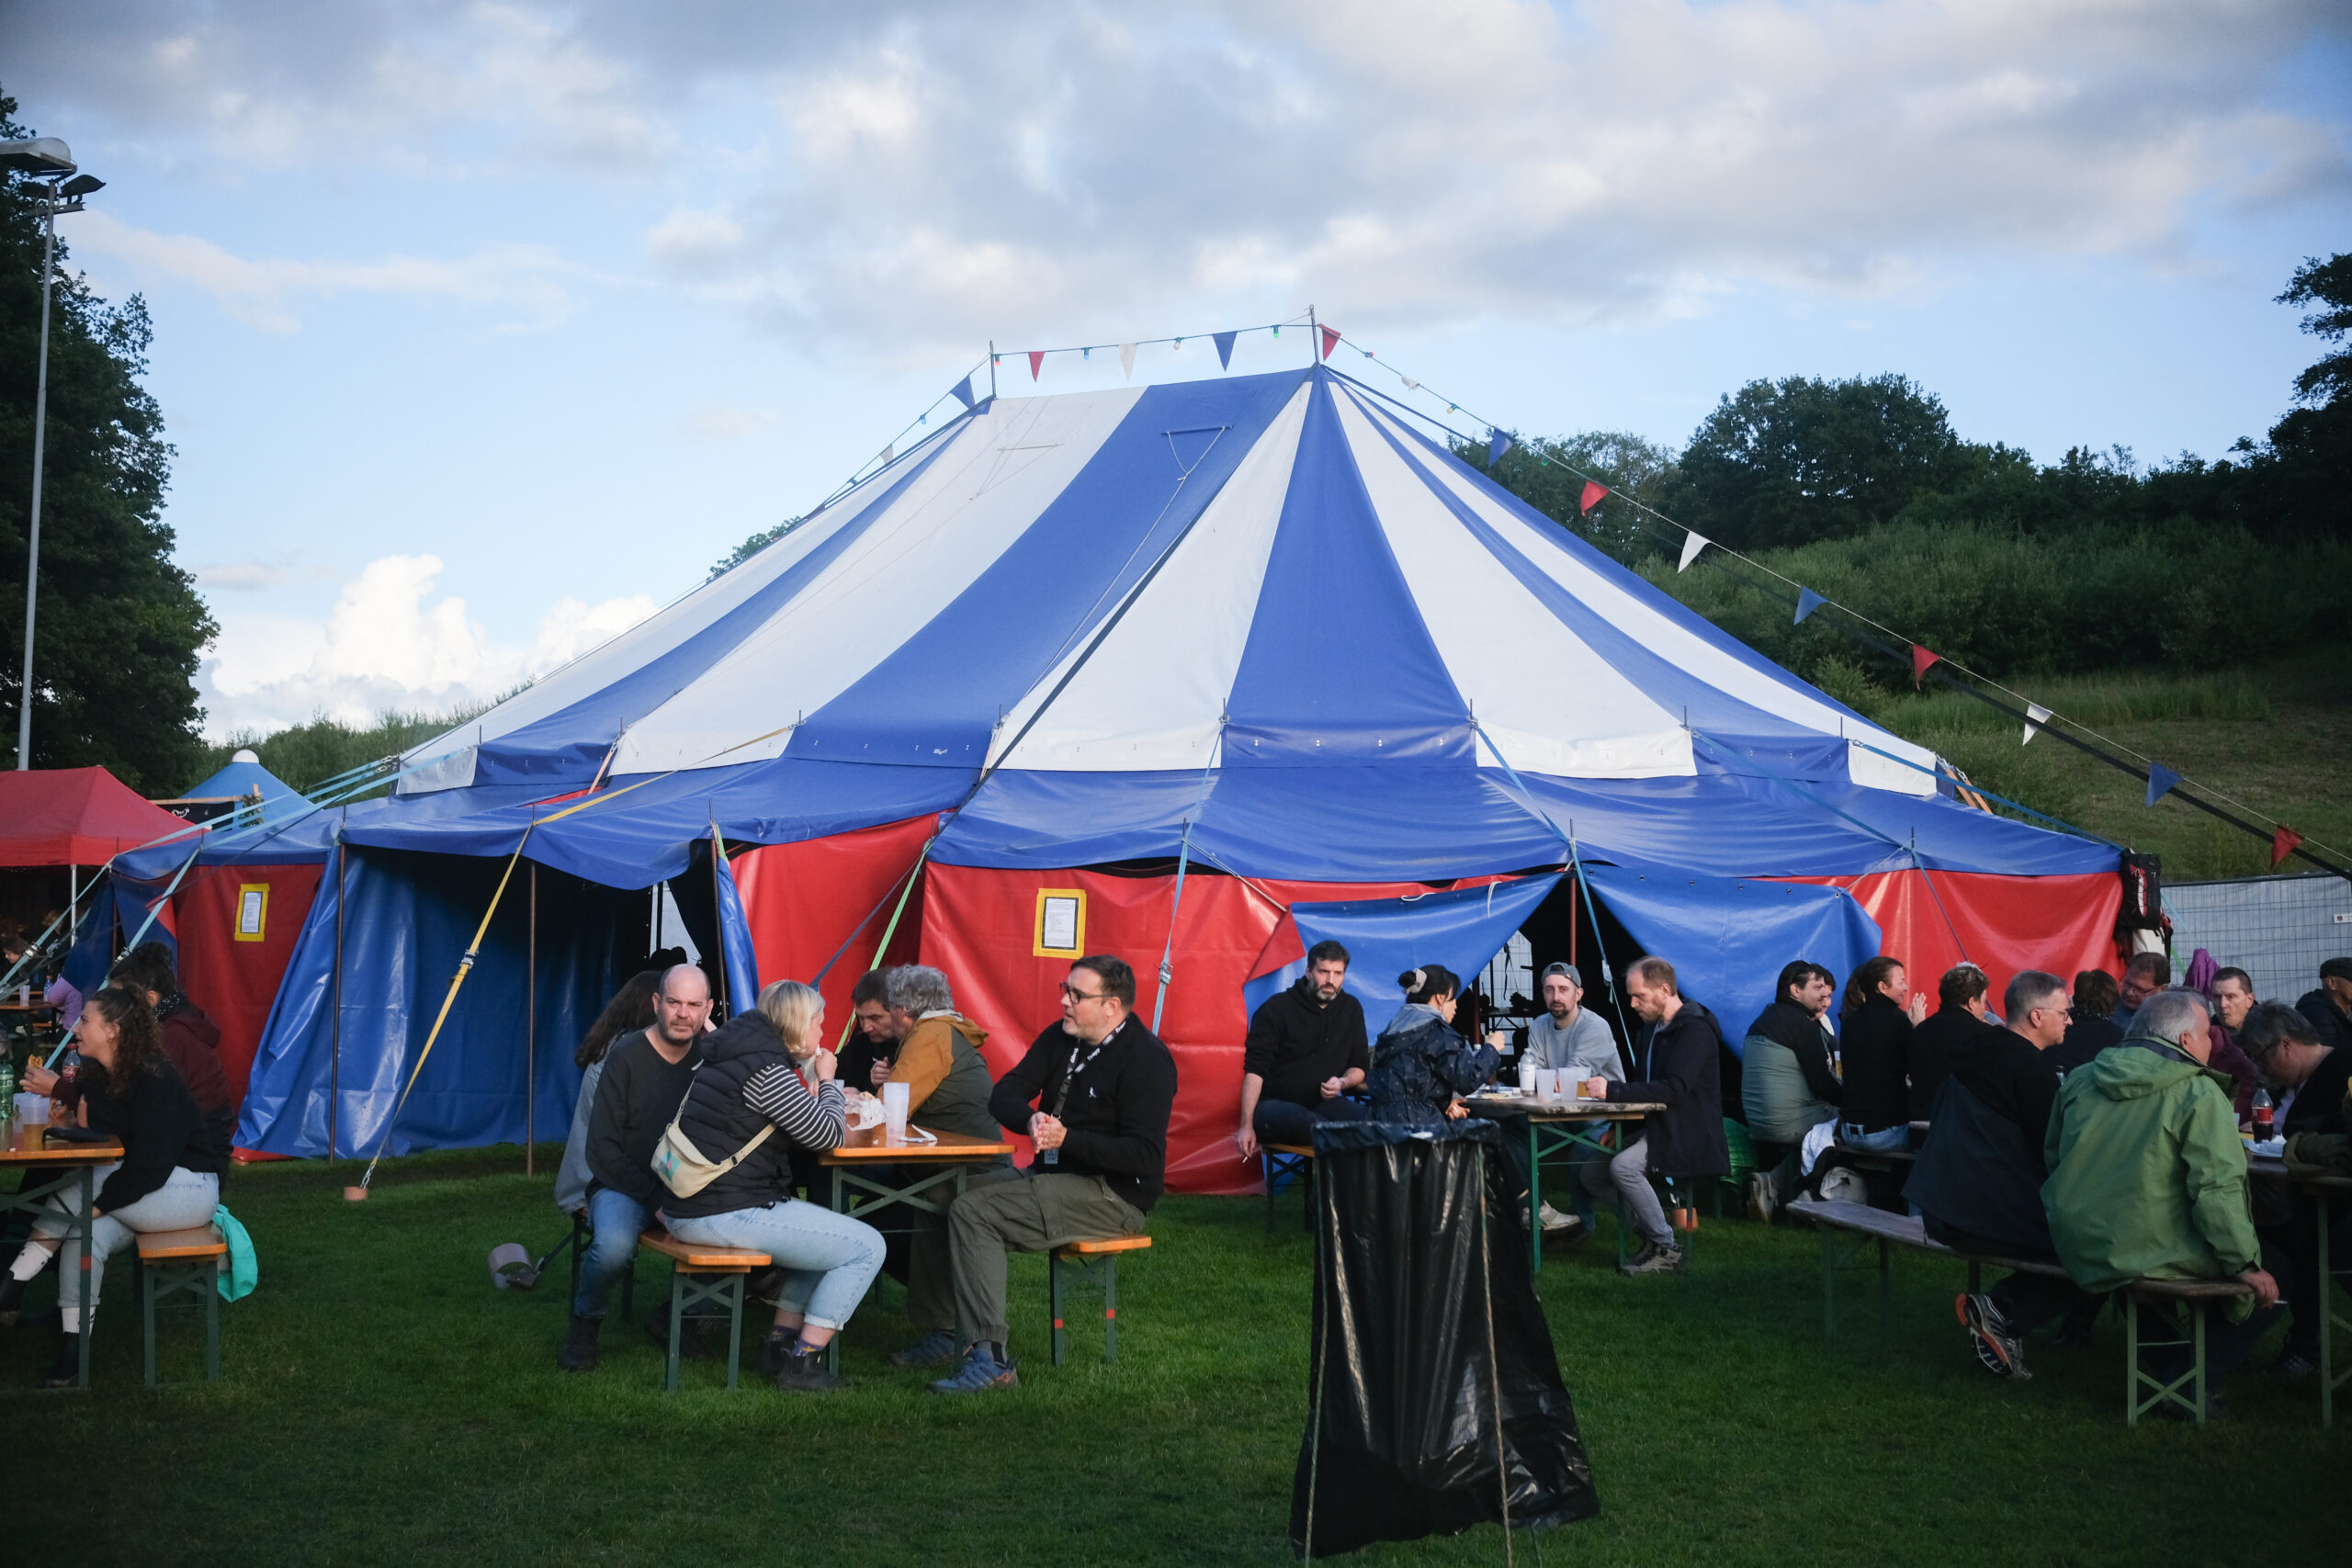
2147, 1177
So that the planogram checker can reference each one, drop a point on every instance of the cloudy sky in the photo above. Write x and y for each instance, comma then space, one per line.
483, 329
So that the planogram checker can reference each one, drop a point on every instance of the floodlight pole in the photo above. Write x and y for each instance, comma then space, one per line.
32, 546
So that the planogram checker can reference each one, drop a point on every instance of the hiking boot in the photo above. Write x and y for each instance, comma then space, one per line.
981, 1371
12, 1296
67, 1370
2002, 1352
776, 1349
1655, 1259
805, 1371
1640, 1255
1762, 1200
579, 1353
936, 1348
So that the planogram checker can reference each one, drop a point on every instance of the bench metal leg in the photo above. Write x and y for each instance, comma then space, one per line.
735, 1326
2137, 1345
1054, 1306
157, 1284
677, 1314
1828, 1283
146, 1317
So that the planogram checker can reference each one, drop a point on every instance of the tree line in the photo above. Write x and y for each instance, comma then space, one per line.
1861, 491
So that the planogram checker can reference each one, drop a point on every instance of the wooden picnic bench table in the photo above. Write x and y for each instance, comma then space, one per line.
63, 1165
2326, 1188
1889, 1230
1557, 1124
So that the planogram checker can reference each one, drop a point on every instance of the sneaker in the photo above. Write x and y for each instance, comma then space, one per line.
1655, 1259
2001, 1352
579, 1353
1640, 1255
981, 1371
1842, 1185
1554, 1222
936, 1348
804, 1371
2295, 1364
1762, 1200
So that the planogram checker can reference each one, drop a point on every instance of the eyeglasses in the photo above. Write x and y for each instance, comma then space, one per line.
1073, 995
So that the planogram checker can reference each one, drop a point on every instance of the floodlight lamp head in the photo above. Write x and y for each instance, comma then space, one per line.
41, 156
81, 186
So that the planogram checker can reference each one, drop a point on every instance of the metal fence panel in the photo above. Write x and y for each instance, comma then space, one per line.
2277, 928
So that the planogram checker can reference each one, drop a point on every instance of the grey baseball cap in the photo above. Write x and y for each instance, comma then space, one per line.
1568, 969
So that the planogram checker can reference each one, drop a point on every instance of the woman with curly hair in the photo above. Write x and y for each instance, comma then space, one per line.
168, 1177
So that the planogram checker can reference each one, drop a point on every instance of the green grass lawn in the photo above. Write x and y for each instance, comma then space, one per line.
379, 1403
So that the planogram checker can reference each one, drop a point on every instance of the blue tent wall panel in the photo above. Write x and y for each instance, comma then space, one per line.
407, 922
1728, 938
1461, 930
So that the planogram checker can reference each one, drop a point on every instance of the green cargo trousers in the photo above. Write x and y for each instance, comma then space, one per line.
1034, 1213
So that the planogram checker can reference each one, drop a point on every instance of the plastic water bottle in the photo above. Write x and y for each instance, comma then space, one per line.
7, 1085
2262, 1115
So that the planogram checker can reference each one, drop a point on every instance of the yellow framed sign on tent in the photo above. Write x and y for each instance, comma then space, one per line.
253, 911
1061, 922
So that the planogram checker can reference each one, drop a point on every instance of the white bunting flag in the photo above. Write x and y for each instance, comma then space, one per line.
2036, 716
1692, 545
1128, 360
1410, 383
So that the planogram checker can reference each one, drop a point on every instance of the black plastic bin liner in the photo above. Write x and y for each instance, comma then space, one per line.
1430, 1363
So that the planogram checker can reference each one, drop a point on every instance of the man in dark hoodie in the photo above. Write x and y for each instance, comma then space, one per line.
646, 1078
1307, 1049
1676, 1055
1978, 1179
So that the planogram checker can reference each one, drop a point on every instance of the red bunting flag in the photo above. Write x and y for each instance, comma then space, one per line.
1593, 490
2282, 844
1037, 357
1920, 660
1331, 341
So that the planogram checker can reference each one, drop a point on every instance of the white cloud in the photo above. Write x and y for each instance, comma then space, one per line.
262, 293
724, 423
897, 177
385, 648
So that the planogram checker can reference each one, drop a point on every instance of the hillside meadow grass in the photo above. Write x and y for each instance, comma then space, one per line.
381, 1403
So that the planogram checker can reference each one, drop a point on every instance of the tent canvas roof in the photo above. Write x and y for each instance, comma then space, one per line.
75, 816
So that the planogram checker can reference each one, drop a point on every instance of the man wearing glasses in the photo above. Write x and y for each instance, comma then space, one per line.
1093, 1095
1978, 1180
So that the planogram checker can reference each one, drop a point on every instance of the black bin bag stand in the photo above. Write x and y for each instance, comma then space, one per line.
1434, 1400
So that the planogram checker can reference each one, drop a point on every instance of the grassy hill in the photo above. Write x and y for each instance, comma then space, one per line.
2275, 737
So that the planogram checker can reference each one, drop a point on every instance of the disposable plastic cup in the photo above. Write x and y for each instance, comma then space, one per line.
32, 1110
894, 1112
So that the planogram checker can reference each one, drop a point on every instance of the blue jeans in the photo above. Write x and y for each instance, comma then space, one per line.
828, 1260
615, 1218
1887, 1140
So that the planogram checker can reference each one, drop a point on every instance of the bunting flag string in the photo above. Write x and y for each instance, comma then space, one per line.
1807, 603
2282, 844
1497, 444
1128, 360
1593, 493
1331, 341
963, 390
2036, 716
2160, 782
1036, 361
1225, 349
1692, 543
1921, 661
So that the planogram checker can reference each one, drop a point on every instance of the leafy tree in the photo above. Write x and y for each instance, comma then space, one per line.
1549, 472
753, 547
2327, 283
120, 625
1787, 462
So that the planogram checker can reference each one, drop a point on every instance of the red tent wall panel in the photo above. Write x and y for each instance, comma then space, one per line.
979, 927
804, 899
2061, 924
236, 982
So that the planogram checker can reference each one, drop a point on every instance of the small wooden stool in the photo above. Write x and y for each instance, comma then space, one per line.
699, 1274
171, 1262
1094, 1263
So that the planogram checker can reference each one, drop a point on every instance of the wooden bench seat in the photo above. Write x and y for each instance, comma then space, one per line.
1094, 1263
2188, 1391
182, 1262
699, 1274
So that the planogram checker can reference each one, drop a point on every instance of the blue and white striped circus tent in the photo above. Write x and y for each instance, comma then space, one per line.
1178, 657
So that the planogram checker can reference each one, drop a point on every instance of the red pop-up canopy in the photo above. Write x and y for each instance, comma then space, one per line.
73, 817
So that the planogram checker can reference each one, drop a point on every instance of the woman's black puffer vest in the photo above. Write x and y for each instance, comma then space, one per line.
716, 1118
